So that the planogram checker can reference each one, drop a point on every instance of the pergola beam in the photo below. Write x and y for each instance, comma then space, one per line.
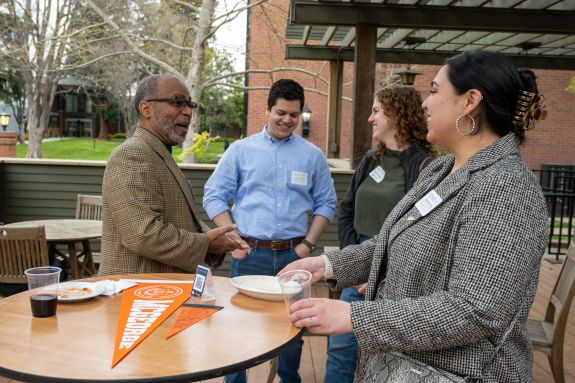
402, 56
514, 20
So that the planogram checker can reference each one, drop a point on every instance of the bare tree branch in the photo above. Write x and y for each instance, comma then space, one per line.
163, 41
88, 63
79, 31
265, 71
127, 39
188, 5
231, 15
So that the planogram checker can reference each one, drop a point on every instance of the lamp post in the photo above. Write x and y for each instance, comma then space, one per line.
305, 117
4, 121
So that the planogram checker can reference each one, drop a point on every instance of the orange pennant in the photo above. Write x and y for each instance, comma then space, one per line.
144, 307
189, 315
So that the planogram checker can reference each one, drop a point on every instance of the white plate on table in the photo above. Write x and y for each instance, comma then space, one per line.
78, 291
259, 286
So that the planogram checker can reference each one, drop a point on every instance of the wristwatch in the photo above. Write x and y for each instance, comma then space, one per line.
309, 244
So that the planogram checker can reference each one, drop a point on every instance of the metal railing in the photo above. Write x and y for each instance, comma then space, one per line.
558, 184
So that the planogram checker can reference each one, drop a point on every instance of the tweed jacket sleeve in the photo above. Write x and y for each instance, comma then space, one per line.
444, 286
149, 224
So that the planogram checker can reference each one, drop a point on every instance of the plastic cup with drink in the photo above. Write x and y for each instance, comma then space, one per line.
43, 288
295, 285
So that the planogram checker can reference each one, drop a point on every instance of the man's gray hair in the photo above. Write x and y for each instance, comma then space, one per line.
148, 86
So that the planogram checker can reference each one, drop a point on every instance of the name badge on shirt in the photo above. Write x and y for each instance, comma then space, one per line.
298, 178
428, 203
378, 174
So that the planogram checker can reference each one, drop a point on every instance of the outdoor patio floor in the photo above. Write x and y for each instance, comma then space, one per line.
313, 360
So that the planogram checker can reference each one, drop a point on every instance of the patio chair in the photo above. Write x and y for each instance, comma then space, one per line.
89, 207
548, 335
20, 249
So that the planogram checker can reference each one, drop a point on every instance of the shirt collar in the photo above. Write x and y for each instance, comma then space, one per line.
272, 140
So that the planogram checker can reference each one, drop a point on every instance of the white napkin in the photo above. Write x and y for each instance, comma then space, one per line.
114, 287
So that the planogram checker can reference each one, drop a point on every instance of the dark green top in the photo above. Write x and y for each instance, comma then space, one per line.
373, 200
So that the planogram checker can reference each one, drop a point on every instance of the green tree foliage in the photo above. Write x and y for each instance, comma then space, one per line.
201, 143
571, 87
13, 94
221, 105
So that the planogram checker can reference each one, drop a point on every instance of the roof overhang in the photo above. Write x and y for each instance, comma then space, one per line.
536, 34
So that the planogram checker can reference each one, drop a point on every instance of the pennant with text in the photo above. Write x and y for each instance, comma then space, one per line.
144, 307
190, 314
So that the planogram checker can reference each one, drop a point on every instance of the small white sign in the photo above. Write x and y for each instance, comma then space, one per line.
428, 203
298, 178
202, 273
378, 174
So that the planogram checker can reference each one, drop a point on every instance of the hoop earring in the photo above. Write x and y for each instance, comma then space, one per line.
473, 125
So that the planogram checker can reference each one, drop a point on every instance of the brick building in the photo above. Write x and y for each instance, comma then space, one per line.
550, 143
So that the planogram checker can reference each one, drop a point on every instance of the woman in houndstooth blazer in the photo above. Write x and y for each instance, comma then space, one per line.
459, 255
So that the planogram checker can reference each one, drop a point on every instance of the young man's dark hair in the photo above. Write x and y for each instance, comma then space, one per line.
287, 89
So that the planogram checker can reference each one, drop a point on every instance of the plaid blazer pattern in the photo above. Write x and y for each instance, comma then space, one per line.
150, 222
456, 276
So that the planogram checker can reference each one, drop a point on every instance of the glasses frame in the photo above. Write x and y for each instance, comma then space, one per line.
178, 101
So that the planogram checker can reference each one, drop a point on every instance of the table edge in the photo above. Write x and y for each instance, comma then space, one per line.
196, 376
183, 378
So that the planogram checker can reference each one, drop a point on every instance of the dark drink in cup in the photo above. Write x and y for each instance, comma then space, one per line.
43, 305
43, 288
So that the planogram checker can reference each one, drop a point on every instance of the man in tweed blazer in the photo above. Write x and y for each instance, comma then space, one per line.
150, 222
459, 255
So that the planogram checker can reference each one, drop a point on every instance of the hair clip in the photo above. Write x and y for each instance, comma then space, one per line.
530, 110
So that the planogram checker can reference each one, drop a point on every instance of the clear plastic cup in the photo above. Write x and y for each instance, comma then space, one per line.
295, 285
43, 288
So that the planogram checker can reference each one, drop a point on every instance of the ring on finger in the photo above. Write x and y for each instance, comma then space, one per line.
311, 322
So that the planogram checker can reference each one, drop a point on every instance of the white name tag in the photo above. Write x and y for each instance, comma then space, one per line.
378, 174
298, 178
428, 203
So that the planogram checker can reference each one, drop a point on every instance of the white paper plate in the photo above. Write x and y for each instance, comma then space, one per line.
259, 286
78, 291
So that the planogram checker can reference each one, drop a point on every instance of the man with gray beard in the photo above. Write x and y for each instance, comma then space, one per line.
150, 222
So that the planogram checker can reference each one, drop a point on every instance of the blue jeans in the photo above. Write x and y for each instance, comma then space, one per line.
342, 349
269, 262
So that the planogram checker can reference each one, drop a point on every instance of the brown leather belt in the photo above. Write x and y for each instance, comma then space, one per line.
274, 245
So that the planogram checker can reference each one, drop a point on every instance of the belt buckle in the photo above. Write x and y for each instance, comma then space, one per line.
276, 245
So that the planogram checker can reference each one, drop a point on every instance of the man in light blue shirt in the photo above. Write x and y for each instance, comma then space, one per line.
275, 179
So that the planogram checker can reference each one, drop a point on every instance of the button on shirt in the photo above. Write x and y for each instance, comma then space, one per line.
274, 184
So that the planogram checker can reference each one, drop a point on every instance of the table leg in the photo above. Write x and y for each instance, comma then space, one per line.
73, 258
52, 251
87, 263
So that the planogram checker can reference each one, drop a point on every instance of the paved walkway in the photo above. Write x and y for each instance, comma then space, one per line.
49, 139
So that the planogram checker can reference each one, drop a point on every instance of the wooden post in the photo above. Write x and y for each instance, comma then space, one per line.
363, 91
8, 142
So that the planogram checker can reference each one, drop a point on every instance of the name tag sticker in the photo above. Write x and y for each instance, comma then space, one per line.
298, 178
428, 203
378, 174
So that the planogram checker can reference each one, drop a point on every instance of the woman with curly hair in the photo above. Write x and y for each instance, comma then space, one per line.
384, 175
